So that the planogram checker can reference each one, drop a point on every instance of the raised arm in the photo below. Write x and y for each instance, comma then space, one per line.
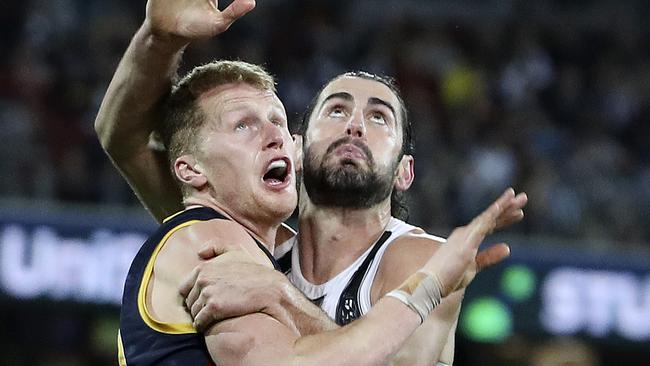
259, 339
433, 342
127, 116
401, 259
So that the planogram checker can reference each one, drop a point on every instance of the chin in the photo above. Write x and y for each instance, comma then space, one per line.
280, 206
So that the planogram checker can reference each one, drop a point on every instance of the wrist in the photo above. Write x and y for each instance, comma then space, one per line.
421, 292
288, 295
160, 42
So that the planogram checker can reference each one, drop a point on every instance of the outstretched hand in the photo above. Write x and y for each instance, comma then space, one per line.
457, 262
189, 20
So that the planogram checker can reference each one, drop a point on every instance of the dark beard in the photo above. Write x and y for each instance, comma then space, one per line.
345, 185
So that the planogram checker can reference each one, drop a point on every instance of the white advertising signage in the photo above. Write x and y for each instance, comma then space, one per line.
68, 256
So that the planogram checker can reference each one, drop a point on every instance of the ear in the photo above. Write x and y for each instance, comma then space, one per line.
297, 141
190, 172
405, 174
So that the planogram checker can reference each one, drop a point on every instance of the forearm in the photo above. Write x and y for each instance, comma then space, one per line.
447, 356
300, 313
434, 340
258, 339
372, 340
144, 75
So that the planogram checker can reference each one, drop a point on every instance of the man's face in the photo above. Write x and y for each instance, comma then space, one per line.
352, 144
247, 152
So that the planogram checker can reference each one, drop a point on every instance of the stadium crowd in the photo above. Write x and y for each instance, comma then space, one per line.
548, 97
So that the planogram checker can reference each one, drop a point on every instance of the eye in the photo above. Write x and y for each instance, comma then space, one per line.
241, 126
378, 117
337, 112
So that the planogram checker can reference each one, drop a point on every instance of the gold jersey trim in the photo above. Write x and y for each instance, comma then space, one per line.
173, 215
162, 327
121, 359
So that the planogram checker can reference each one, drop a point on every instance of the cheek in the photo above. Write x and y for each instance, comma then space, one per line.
323, 130
385, 151
316, 152
384, 140
232, 164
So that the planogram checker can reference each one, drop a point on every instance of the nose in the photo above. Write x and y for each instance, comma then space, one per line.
356, 126
273, 136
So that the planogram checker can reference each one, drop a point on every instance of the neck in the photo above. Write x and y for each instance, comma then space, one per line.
331, 238
261, 230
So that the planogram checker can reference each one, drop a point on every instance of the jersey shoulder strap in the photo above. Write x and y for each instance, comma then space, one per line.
348, 308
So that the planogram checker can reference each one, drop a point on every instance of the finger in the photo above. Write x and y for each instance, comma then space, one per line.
236, 10
492, 256
519, 201
204, 319
516, 203
188, 283
214, 248
522, 197
484, 223
197, 306
193, 295
510, 218
211, 250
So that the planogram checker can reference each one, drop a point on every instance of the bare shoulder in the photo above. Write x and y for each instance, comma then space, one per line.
177, 257
414, 247
179, 254
221, 233
402, 258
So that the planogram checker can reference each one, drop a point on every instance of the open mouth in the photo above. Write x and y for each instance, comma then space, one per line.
277, 173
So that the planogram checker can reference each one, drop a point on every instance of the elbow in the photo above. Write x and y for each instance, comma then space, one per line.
116, 147
103, 134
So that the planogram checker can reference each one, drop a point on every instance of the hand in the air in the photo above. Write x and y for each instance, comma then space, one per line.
457, 262
189, 20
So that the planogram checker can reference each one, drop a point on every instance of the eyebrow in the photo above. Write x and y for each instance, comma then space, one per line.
340, 95
373, 100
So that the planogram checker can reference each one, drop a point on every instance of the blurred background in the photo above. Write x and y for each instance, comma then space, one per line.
550, 97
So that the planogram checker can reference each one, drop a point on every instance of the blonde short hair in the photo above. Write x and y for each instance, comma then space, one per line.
181, 117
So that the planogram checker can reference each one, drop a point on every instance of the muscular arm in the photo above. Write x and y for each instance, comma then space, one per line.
127, 117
